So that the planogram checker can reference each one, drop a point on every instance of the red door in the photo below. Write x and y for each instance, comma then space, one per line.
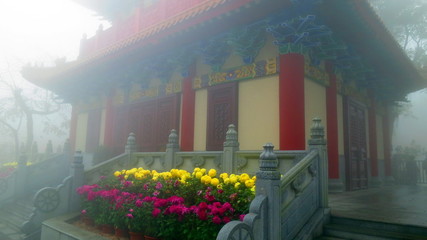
222, 111
151, 121
355, 146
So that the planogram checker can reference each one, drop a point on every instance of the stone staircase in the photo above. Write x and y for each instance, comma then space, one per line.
12, 217
347, 228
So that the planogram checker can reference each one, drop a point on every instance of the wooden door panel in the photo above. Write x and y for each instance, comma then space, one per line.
222, 111
148, 126
167, 119
355, 144
120, 129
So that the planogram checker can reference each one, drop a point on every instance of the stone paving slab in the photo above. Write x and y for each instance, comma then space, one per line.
392, 204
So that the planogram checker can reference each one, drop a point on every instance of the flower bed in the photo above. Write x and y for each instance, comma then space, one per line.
6, 169
169, 205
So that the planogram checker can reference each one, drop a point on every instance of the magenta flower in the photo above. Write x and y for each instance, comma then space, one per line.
216, 220
226, 219
129, 215
159, 185
155, 212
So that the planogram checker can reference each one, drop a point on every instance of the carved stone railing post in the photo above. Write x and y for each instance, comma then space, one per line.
66, 150
171, 148
268, 184
22, 173
231, 145
318, 142
130, 148
49, 149
77, 172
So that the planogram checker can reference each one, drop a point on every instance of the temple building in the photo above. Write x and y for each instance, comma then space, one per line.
267, 66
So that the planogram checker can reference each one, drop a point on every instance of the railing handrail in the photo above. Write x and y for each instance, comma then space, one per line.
303, 164
104, 163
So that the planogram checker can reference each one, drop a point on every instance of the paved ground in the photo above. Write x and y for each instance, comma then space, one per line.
393, 204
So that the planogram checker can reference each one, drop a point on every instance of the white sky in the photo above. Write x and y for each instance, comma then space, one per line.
42, 30
38, 32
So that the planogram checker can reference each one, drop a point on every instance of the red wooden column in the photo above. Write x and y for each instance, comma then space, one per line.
73, 127
291, 105
387, 145
108, 131
332, 123
373, 151
188, 111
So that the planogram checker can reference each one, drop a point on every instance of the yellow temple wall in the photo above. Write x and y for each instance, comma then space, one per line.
258, 113
200, 120
81, 131
315, 105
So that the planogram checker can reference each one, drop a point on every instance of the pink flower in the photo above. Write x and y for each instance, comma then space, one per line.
203, 205
159, 185
83, 211
226, 219
139, 203
145, 187
155, 212
202, 214
127, 184
129, 215
131, 210
216, 220
242, 216
156, 193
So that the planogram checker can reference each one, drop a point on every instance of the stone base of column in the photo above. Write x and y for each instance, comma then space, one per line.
375, 182
389, 180
335, 185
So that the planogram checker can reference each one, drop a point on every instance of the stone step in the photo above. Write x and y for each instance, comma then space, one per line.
20, 211
328, 238
380, 226
11, 220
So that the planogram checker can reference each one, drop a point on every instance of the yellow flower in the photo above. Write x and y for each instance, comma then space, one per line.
117, 173
244, 177
206, 179
215, 181
237, 185
199, 175
203, 170
233, 179
249, 183
212, 173
227, 180
223, 175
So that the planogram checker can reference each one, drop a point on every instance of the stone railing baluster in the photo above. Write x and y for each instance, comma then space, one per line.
231, 145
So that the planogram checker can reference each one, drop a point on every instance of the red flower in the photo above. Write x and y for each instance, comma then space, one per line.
226, 219
216, 220
156, 212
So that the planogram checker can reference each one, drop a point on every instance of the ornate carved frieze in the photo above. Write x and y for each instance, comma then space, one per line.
259, 69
